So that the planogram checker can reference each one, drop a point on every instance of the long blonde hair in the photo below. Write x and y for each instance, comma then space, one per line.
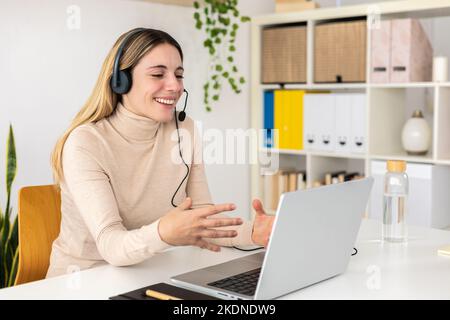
103, 101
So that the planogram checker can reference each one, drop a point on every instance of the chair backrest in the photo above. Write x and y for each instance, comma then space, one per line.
39, 225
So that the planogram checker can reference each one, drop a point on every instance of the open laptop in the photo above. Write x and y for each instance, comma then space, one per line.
312, 239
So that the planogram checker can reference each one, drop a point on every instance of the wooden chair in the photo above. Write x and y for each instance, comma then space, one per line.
39, 225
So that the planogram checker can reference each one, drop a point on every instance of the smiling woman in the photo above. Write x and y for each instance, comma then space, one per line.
124, 198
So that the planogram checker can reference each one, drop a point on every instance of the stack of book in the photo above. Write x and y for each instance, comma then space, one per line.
278, 182
337, 177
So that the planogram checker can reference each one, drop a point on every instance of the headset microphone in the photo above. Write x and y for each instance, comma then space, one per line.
182, 114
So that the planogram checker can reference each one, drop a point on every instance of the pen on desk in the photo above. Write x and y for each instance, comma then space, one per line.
159, 295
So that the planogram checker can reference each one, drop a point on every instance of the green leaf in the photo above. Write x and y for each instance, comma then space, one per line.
13, 272
207, 43
196, 5
1, 219
219, 68
212, 51
216, 86
11, 167
235, 26
235, 69
245, 19
222, 8
230, 59
235, 13
215, 97
4, 234
217, 40
241, 80
206, 11
197, 15
199, 25
225, 74
208, 108
215, 32
214, 77
14, 234
233, 34
232, 48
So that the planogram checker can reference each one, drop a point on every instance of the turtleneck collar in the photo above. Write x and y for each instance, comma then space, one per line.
132, 126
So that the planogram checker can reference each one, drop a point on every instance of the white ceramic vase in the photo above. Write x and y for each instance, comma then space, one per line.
416, 135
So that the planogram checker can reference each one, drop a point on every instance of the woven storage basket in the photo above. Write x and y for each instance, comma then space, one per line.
284, 55
340, 52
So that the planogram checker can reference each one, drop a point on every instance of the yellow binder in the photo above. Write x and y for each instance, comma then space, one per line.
288, 118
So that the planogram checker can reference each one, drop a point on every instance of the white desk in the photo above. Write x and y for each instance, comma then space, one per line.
389, 271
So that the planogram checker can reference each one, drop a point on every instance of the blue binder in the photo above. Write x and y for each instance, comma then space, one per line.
268, 119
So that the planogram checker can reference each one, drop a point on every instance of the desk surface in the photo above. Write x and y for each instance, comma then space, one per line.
378, 271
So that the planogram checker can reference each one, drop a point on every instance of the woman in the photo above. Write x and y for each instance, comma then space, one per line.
123, 196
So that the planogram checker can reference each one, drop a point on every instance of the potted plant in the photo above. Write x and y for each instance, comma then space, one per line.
219, 19
9, 240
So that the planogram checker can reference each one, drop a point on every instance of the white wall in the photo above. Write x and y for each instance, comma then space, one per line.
49, 70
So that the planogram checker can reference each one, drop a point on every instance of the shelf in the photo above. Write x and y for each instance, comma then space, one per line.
317, 86
405, 8
184, 3
284, 151
334, 86
338, 155
316, 153
405, 157
404, 85
343, 86
443, 162
388, 105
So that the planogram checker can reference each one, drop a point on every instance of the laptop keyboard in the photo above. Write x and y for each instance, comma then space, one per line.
244, 283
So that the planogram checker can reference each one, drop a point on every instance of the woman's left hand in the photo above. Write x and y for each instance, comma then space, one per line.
262, 225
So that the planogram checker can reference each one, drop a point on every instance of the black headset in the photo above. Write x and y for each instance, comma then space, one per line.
121, 82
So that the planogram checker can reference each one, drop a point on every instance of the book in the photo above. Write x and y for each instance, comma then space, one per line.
268, 119
165, 289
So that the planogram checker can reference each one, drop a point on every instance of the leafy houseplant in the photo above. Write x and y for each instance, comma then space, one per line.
220, 21
9, 251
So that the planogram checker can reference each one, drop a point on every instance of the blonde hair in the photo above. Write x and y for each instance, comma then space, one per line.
103, 101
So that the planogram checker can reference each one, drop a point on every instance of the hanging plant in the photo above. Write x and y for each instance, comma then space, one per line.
219, 19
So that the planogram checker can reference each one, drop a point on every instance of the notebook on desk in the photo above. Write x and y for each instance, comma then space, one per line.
164, 288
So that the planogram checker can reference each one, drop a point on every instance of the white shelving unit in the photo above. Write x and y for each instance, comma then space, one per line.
386, 103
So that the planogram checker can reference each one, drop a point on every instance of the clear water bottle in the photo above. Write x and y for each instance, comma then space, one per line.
395, 193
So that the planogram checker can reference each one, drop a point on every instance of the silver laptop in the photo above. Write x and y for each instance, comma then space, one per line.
312, 240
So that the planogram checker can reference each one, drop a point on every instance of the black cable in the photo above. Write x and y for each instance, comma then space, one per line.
356, 251
181, 156
248, 249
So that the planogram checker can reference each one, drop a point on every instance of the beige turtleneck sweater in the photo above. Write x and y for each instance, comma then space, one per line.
119, 179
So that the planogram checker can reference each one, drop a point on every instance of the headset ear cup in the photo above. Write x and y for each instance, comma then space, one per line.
124, 82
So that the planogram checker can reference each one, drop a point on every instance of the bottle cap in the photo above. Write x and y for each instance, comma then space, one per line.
396, 166
417, 114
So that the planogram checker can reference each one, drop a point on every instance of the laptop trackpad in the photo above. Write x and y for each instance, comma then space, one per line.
237, 266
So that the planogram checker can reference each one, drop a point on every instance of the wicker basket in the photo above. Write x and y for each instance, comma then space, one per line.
284, 55
340, 52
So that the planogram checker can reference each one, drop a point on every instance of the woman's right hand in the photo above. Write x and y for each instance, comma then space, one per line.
184, 226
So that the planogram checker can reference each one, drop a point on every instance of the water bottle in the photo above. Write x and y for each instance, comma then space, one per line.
395, 193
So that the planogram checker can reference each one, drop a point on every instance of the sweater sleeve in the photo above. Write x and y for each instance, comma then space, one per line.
89, 185
197, 188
